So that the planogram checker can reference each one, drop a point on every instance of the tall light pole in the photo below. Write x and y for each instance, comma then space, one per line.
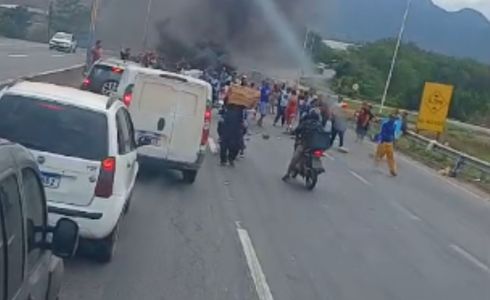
395, 55
93, 21
147, 24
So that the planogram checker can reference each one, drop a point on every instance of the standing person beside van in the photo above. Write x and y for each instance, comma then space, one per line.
231, 139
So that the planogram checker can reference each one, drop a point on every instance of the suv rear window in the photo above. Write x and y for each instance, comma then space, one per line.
52, 127
102, 73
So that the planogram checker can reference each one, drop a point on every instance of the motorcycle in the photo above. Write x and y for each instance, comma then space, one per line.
310, 167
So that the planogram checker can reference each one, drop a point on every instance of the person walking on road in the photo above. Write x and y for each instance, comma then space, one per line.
274, 99
291, 110
339, 127
386, 140
281, 106
363, 120
96, 52
265, 93
231, 134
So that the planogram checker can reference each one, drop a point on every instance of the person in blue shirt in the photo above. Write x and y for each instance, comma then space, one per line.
265, 93
386, 139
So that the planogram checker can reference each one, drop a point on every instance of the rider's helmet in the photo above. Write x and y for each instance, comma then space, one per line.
314, 114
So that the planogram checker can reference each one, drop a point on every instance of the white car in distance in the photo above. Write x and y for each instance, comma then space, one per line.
85, 147
63, 41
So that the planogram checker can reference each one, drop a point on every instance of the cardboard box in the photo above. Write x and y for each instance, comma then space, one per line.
245, 96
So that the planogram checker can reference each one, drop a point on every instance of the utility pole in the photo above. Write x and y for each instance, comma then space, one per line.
305, 52
93, 22
395, 56
147, 24
50, 18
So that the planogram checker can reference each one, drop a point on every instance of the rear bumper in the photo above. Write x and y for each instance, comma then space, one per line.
175, 165
96, 221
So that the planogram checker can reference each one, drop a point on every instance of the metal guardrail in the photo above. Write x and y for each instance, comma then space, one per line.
461, 159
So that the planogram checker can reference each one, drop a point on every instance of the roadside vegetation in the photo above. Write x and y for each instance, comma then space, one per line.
367, 67
63, 15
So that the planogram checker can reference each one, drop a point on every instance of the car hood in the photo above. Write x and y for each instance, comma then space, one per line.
61, 41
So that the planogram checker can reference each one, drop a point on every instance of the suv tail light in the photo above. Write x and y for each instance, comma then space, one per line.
205, 128
86, 82
105, 182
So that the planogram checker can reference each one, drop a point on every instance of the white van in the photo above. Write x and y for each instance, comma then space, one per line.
173, 112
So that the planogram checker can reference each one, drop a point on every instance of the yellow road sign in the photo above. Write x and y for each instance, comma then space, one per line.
434, 107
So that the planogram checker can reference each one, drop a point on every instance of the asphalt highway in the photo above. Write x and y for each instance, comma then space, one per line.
22, 58
242, 233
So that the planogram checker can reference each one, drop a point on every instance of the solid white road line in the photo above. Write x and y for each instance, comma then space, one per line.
468, 256
17, 55
258, 276
360, 178
57, 55
212, 145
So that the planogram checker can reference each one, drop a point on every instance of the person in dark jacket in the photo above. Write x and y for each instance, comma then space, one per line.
309, 124
231, 134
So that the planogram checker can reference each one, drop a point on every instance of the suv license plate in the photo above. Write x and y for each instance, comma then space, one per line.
51, 181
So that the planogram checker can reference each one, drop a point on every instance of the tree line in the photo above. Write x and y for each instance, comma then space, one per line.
63, 15
366, 67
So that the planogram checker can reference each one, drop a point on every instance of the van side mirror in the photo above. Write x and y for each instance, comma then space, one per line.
143, 141
65, 238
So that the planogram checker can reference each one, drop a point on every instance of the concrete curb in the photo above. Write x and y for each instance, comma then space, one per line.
50, 76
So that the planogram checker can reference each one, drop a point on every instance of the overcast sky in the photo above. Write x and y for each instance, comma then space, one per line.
481, 5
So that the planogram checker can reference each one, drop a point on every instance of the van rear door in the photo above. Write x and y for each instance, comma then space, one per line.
180, 104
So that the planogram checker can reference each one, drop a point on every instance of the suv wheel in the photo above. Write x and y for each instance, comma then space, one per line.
128, 204
189, 176
105, 248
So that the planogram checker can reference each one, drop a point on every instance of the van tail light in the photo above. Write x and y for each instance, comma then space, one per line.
205, 128
105, 183
318, 153
86, 82
127, 98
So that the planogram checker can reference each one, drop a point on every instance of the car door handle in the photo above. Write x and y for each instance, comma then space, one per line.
161, 124
129, 165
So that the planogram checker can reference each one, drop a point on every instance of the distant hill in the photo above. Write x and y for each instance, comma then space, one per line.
465, 33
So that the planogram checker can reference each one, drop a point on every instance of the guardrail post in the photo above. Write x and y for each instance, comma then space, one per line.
458, 166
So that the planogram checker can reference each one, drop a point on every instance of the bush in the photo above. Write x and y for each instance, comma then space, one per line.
15, 22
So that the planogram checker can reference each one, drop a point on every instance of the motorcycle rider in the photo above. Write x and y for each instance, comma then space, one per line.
309, 124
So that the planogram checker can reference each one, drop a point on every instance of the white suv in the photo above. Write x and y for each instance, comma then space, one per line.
84, 145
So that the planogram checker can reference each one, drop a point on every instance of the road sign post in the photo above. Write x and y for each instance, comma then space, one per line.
434, 107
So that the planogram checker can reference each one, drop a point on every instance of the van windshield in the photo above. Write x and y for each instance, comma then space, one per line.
53, 127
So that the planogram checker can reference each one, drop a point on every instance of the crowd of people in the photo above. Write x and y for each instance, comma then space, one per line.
291, 107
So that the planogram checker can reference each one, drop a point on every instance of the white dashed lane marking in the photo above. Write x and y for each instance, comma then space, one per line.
360, 178
17, 55
470, 257
258, 276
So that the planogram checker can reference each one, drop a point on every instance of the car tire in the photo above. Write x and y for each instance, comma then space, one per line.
127, 206
105, 248
189, 176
